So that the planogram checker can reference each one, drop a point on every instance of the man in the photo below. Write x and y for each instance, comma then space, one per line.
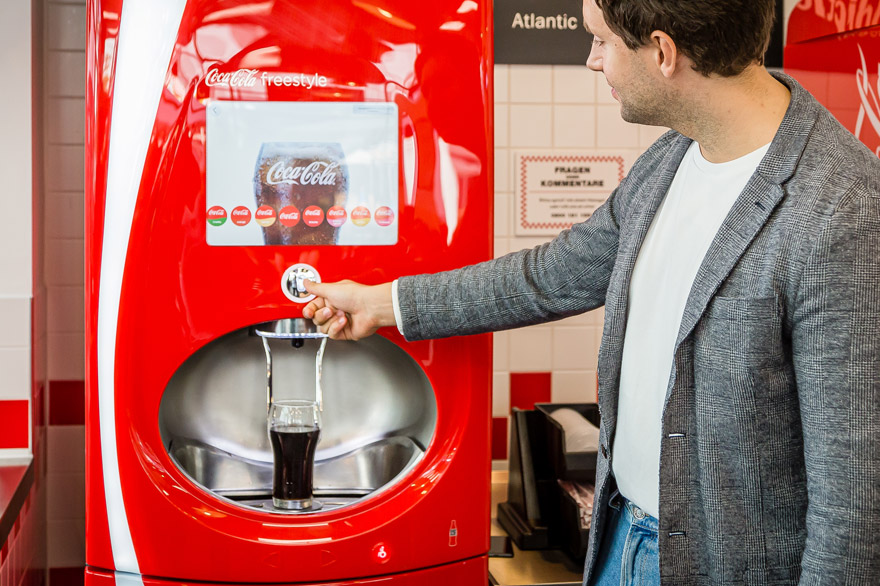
739, 266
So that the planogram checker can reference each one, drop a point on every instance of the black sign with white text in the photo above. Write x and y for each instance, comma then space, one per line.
540, 32
551, 32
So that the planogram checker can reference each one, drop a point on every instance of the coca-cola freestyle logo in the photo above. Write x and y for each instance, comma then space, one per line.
315, 173
248, 78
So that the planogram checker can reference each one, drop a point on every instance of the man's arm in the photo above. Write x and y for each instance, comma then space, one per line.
566, 276
836, 351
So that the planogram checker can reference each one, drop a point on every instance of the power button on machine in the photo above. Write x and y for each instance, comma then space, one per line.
381, 554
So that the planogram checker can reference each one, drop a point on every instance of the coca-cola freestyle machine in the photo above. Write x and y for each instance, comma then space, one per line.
236, 147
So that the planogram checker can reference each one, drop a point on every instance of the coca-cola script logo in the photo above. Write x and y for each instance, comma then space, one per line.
237, 78
216, 216
289, 216
265, 216
241, 216
315, 173
313, 216
870, 107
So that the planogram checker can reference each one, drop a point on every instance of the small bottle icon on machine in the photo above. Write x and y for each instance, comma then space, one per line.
453, 534
381, 554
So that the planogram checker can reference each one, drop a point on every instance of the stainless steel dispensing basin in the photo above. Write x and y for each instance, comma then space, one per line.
379, 416
360, 471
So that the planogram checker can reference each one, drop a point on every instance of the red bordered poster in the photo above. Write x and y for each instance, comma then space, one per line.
555, 191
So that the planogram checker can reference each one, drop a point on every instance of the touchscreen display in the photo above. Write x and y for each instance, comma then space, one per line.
301, 173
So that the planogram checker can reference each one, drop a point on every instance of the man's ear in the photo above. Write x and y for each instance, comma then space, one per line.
665, 53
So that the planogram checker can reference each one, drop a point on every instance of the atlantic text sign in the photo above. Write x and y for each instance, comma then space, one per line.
540, 32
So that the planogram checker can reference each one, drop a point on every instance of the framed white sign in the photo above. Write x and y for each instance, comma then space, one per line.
556, 190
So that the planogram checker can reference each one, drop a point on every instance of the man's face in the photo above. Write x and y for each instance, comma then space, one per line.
630, 74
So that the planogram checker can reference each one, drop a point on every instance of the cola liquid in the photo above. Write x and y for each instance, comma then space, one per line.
294, 451
290, 175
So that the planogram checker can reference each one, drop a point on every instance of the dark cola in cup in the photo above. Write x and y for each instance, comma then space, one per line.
299, 182
294, 430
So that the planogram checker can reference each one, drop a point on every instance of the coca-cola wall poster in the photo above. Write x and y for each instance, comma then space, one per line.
301, 173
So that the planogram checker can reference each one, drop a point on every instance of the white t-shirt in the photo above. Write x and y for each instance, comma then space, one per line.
700, 197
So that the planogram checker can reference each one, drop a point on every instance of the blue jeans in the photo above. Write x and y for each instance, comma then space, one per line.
628, 554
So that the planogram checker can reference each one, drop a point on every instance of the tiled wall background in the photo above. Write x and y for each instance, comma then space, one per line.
64, 81
16, 209
567, 110
22, 295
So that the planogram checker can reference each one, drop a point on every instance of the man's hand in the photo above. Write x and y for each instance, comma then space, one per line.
349, 311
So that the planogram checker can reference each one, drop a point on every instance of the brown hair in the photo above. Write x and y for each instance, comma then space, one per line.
719, 36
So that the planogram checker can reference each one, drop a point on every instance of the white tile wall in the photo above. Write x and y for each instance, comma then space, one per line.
531, 125
66, 310
15, 366
65, 168
15, 322
502, 84
16, 207
65, 453
502, 125
16, 118
531, 349
573, 386
65, 74
573, 84
574, 126
503, 170
66, 357
501, 353
503, 211
500, 394
551, 107
66, 27
66, 121
531, 84
573, 347
66, 216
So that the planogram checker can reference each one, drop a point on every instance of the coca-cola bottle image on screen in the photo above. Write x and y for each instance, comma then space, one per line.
295, 183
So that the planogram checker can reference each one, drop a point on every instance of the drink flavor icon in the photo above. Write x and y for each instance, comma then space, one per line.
312, 216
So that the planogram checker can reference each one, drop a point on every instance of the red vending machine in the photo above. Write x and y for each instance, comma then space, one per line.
833, 50
235, 148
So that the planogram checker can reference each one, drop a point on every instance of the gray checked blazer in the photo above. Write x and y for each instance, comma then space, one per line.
770, 454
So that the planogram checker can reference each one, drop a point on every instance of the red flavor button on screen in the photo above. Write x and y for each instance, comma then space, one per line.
217, 216
384, 216
336, 216
381, 554
313, 216
265, 216
360, 216
241, 216
289, 216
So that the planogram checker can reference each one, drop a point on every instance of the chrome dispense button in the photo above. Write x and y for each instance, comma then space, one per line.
292, 282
